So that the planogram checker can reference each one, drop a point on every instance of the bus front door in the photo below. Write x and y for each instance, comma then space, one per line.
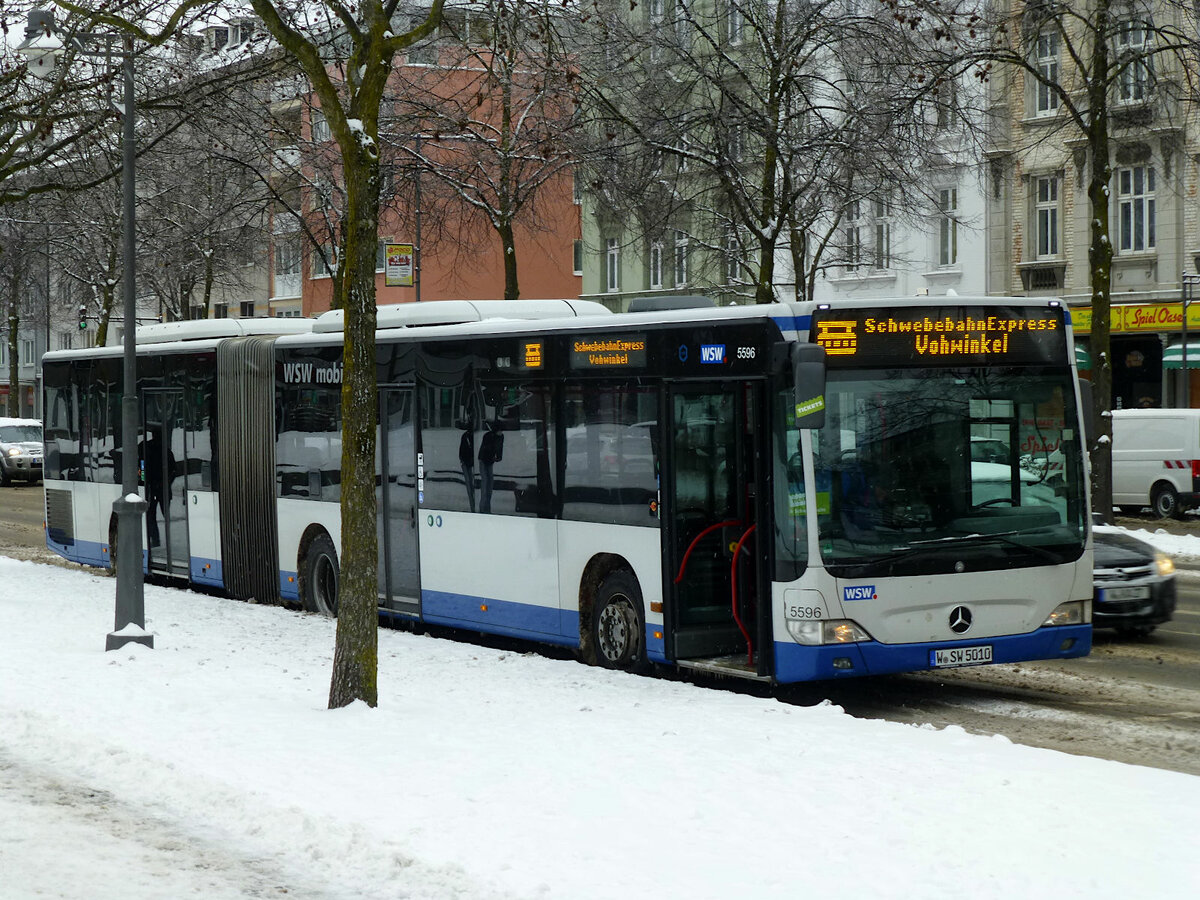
162, 452
399, 588
716, 570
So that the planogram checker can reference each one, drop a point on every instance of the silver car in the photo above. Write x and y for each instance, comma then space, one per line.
20, 450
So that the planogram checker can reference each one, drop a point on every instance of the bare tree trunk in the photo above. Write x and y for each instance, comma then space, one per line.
1100, 254
356, 651
512, 289
14, 323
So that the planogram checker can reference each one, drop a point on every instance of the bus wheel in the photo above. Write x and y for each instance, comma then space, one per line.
617, 623
1165, 502
319, 577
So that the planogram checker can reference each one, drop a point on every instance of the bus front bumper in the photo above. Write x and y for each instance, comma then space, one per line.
796, 662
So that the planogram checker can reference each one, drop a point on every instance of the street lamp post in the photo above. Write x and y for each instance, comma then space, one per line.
1186, 295
41, 47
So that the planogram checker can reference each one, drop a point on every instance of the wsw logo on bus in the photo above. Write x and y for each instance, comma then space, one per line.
312, 373
859, 592
712, 353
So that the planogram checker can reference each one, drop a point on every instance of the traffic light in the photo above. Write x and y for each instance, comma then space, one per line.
82, 317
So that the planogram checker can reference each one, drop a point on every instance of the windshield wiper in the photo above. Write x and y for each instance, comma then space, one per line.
1004, 537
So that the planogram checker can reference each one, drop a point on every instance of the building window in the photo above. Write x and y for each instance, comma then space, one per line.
221, 311
1133, 82
323, 259
1046, 227
681, 259
218, 37
381, 255
1135, 208
681, 150
735, 21
287, 255
733, 255
945, 99
247, 309
656, 265
853, 236
64, 341
612, 257
683, 25
1047, 69
27, 353
197, 311
576, 187
948, 227
737, 144
882, 232
425, 53
319, 126
577, 257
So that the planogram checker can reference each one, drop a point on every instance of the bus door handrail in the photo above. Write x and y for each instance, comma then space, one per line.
692, 546
733, 590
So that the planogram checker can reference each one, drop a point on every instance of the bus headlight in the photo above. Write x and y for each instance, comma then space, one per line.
1164, 564
827, 631
1077, 612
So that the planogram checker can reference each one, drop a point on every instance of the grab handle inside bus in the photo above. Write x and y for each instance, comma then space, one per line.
808, 375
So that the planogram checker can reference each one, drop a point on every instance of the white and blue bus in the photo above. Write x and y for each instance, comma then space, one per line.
647, 487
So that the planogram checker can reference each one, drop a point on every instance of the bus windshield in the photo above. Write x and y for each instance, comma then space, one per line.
939, 470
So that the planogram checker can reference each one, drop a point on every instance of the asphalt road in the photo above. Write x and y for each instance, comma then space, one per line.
1132, 700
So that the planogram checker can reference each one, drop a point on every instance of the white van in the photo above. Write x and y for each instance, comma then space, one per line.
1156, 460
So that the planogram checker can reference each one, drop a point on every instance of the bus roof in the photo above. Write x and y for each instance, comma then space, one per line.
457, 312
209, 329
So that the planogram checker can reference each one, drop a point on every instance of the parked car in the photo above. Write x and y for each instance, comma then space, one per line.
1134, 583
20, 450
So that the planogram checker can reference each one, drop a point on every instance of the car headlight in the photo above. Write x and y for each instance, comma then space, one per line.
827, 631
14, 451
1077, 612
1164, 563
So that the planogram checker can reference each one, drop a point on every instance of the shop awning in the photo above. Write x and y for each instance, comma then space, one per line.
1173, 357
1083, 359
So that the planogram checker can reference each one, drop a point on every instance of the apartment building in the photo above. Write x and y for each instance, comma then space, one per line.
1038, 212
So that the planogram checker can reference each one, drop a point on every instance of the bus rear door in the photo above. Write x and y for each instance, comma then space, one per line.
399, 588
716, 571
164, 462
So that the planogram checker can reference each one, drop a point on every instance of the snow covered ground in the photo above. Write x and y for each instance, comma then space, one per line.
209, 767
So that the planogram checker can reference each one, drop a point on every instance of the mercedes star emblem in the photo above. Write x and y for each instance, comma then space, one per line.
960, 619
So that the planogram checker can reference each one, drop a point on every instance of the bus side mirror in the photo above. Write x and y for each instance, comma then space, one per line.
808, 376
1089, 413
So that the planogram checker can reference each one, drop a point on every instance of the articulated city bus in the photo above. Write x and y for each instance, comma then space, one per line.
702, 488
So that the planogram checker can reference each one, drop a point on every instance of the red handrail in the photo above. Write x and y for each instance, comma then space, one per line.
692, 546
733, 589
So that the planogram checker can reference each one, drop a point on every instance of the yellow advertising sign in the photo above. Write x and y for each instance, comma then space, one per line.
1139, 318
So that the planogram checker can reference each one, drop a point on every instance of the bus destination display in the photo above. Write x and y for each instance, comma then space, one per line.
942, 336
608, 352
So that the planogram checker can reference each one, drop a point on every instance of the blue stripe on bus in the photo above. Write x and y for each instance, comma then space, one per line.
289, 585
211, 576
796, 662
792, 323
500, 617
87, 553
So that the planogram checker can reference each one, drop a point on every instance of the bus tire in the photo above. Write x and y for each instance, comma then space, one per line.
1165, 502
320, 577
618, 623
